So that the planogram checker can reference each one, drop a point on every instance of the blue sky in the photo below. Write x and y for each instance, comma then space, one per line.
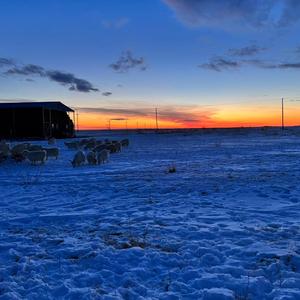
184, 55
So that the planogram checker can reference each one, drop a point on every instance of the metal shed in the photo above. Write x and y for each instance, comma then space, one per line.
36, 120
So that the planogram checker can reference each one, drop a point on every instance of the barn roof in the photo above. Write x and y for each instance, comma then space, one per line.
54, 105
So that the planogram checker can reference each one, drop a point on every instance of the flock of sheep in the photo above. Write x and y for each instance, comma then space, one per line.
25, 151
97, 151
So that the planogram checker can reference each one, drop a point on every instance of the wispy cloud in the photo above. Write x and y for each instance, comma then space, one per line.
63, 78
185, 114
115, 24
119, 119
246, 51
287, 65
177, 114
106, 94
114, 111
17, 100
127, 62
27, 70
219, 64
4, 62
217, 13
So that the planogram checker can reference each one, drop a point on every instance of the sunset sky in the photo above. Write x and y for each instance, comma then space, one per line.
202, 63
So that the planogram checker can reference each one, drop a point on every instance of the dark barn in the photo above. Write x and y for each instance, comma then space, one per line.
36, 120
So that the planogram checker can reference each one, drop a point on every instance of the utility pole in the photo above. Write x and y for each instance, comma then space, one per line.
156, 119
109, 128
282, 114
77, 122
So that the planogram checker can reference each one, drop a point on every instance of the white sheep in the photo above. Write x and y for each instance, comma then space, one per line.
4, 149
35, 156
125, 142
91, 158
3, 157
34, 148
118, 146
17, 151
114, 148
72, 145
79, 159
102, 156
51, 141
52, 152
99, 148
90, 145
19, 148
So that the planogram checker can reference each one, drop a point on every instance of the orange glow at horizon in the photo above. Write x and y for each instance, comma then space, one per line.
229, 116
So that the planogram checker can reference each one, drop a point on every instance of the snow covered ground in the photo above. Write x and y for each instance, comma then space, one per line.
225, 225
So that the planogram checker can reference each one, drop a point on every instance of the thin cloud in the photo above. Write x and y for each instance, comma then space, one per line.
219, 64
116, 111
127, 62
5, 62
191, 120
106, 94
179, 115
115, 24
293, 65
182, 115
246, 51
216, 13
16, 100
267, 65
27, 70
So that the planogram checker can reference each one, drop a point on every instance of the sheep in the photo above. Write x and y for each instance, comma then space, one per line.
52, 152
118, 146
99, 142
102, 157
17, 151
110, 147
99, 148
4, 149
19, 148
51, 141
35, 157
90, 145
84, 142
3, 157
79, 159
113, 148
72, 145
91, 158
125, 143
3, 142
34, 148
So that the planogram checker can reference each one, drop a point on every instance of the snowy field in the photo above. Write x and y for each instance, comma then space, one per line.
225, 225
